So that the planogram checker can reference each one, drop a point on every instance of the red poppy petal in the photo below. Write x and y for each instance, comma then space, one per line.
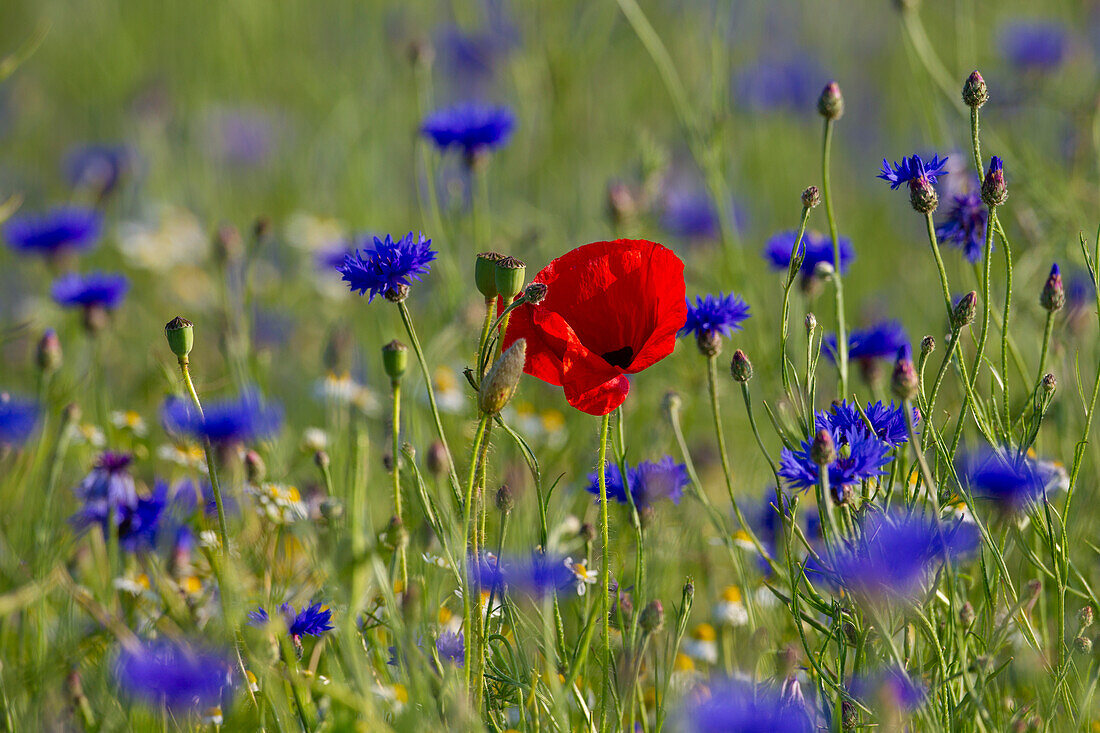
666, 282
544, 355
601, 399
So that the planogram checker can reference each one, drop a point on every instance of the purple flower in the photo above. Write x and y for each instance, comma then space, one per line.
650, 481
451, 647
860, 456
767, 86
536, 574
473, 128
99, 167
175, 674
241, 137
878, 342
94, 290
692, 214
313, 620
815, 248
888, 420
17, 419
1034, 45
109, 483
241, 420
715, 314
1009, 482
892, 687
912, 169
963, 226
140, 526
64, 228
894, 553
736, 706
387, 267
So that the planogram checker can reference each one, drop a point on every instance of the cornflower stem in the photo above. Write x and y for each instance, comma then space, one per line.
467, 506
793, 266
841, 328
208, 451
1008, 310
605, 561
1047, 331
986, 304
407, 320
939, 264
402, 562
976, 144
635, 517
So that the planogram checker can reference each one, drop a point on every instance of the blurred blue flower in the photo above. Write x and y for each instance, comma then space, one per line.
1034, 45
313, 620
888, 420
1009, 482
388, 266
174, 674
650, 481
738, 706
472, 127
451, 647
98, 167
912, 169
17, 419
691, 214
860, 456
189, 495
241, 137
539, 574
109, 483
880, 341
470, 59
963, 225
241, 420
894, 553
782, 85
891, 688
1080, 290
715, 314
93, 290
64, 228
140, 525
815, 247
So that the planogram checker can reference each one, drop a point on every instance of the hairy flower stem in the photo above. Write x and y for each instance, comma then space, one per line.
1047, 331
841, 328
467, 506
208, 450
792, 272
402, 563
1005, 343
407, 320
490, 310
987, 262
605, 559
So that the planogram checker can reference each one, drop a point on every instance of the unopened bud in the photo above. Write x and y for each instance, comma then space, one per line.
975, 92
922, 195
510, 273
395, 359
535, 293
823, 449
1049, 384
811, 324
830, 104
1085, 617
228, 246
500, 383
927, 345
322, 460
672, 401
254, 469
994, 188
740, 367
1053, 297
811, 197
48, 353
965, 310
904, 382
180, 333
485, 273
652, 618
504, 499
1083, 645
437, 459
71, 413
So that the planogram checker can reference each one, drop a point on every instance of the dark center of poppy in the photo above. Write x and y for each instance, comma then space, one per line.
621, 358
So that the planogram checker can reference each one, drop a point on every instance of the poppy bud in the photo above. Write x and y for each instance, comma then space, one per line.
395, 358
1049, 384
994, 188
501, 381
709, 342
437, 459
927, 345
535, 293
830, 104
652, 618
965, 310
254, 469
180, 333
740, 367
504, 499
485, 273
904, 382
397, 294
923, 196
48, 354
811, 325
811, 197
975, 92
1053, 297
510, 274
823, 449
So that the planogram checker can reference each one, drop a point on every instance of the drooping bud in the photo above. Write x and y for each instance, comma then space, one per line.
975, 92
830, 104
823, 449
652, 618
180, 333
927, 345
501, 381
510, 273
709, 342
1048, 384
811, 197
254, 469
485, 273
964, 312
395, 359
922, 195
535, 293
994, 188
437, 459
904, 382
48, 353
1053, 297
504, 499
740, 367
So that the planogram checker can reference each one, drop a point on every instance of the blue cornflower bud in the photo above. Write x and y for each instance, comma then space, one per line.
1053, 297
975, 93
904, 382
994, 188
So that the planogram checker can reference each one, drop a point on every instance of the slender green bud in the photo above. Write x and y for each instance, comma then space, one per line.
740, 367
501, 381
510, 274
811, 325
1048, 384
975, 92
485, 273
927, 345
922, 195
180, 333
965, 310
395, 359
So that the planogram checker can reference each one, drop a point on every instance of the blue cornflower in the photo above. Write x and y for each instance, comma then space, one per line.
98, 167
878, 342
139, 525
782, 85
888, 420
964, 225
859, 456
815, 248
64, 228
738, 706
241, 420
17, 419
451, 647
715, 314
93, 290
912, 169
894, 554
389, 267
692, 214
313, 620
174, 674
1033, 45
891, 688
536, 574
1006, 481
474, 128
650, 481
109, 484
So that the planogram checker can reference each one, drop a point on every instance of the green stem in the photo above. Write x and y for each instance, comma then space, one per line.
605, 561
467, 506
402, 561
793, 266
842, 331
208, 450
1047, 331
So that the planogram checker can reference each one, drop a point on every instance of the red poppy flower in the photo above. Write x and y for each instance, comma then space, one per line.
611, 309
